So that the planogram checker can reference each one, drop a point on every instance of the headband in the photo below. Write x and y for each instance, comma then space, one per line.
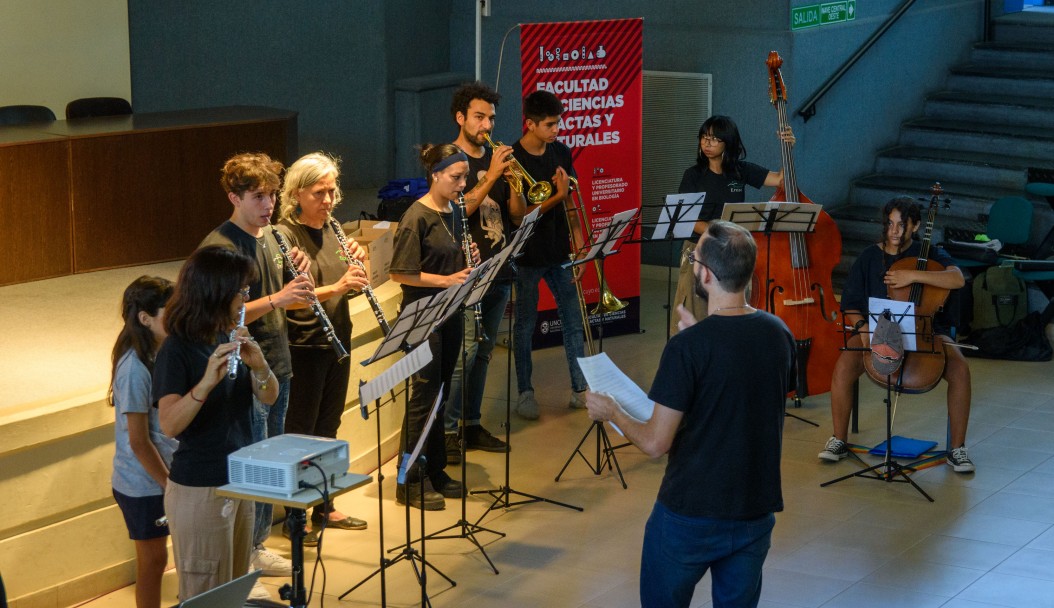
446, 162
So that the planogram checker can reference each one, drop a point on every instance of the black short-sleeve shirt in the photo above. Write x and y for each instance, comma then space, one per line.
222, 425
327, 267
721, 188
426, 241
491, 224
550, 244
270, 329
729, 375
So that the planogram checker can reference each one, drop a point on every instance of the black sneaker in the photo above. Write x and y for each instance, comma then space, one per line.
835, 450
453, 448
447, 486
479, 438
429, 500
959, 461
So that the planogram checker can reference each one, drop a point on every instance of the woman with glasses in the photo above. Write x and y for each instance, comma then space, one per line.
721, 172
319, 389
210, 413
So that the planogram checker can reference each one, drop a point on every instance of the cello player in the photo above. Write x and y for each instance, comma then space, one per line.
870, 277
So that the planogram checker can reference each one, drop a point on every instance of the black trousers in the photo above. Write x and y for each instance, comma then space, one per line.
445, 343
318, 392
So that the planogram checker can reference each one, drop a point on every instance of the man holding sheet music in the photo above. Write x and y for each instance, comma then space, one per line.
718, 411
869, 277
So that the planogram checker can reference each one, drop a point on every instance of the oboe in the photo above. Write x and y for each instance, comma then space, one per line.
367, 289
236, 355
316, 307
466, 247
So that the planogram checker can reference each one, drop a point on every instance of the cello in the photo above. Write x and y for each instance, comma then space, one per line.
923, 369
798, 265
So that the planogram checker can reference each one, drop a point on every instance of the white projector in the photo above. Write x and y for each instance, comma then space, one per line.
279, 465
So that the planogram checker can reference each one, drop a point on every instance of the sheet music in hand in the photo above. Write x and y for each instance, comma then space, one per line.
606, 378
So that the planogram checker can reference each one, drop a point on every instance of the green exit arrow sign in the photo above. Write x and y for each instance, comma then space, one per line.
813, 15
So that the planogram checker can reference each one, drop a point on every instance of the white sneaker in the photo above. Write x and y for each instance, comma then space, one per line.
270, 563
259, 592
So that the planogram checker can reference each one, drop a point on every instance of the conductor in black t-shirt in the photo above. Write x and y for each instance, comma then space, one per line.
718, 411
545, 158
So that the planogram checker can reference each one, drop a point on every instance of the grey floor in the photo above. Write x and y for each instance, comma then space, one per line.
988, 540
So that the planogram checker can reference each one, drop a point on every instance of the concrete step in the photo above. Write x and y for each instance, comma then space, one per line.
991, 109
968, 200
1013, 54
1031, 27
966, 166
998, 140
1033, 81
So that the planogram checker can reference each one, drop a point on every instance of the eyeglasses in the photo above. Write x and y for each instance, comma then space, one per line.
710, 139
695, 260
244, 292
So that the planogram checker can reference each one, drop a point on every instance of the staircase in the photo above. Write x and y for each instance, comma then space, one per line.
980, 137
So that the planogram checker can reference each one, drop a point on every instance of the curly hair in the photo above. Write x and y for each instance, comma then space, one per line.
250, 171
464, 95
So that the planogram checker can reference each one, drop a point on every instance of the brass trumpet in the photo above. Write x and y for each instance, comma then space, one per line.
537, 191
607, 302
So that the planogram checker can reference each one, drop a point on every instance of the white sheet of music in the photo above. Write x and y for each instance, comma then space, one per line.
680, 210
606, 378
401, 370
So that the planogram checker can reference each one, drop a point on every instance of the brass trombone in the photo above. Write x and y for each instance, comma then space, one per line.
607, 302
537, 192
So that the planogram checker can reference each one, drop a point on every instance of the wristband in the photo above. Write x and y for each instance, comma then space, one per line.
270, 302
191, 393
262, 383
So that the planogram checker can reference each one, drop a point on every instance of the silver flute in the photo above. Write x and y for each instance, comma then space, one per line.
466, 247
236, 355
367, 290
316, 307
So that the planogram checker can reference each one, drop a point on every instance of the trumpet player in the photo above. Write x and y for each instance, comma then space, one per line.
543, 157
320, 381
251, 181
488, 204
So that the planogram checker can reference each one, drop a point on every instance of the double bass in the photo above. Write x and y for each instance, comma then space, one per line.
922, 368
797, 267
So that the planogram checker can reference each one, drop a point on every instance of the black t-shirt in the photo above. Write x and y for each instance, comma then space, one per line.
270, 329
730, 376
550, 244
427, 241
321, 245
491, 224
721, 188
867, 279
222, 425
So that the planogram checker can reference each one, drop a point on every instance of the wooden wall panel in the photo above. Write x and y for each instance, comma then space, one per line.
146, 197
35, 205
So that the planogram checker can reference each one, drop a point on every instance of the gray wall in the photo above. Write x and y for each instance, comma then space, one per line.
337, 61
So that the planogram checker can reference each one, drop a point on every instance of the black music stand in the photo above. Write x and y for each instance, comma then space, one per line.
474, 288
502, 494
604, 244
676, 222
768, 218
426, 313
889, 469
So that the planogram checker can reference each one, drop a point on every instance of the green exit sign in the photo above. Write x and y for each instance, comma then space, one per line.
812, 15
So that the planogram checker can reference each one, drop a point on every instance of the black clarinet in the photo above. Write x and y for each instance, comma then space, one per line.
316, 307
466, 247
367, 290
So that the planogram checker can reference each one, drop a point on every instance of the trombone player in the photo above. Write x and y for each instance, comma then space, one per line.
539, 154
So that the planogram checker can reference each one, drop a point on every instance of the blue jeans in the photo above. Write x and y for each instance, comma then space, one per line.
560, 282
268, 422
477, 358
679, 550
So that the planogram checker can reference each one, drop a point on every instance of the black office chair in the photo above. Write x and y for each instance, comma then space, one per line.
97, 106
20, 115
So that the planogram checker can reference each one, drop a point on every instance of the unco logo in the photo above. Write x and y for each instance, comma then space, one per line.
562, 54
545, 327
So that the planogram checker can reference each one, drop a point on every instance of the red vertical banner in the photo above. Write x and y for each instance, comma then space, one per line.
595, 68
